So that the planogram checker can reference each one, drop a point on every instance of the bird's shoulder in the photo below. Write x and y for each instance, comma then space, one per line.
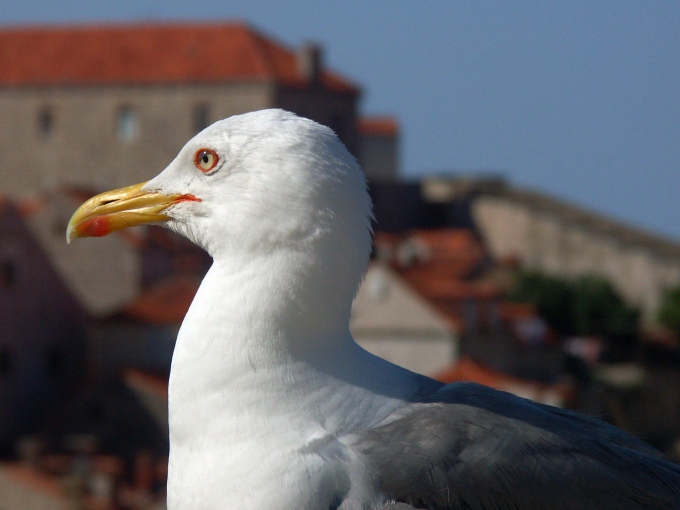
470, 447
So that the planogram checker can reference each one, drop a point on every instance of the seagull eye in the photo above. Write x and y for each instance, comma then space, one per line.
205, 159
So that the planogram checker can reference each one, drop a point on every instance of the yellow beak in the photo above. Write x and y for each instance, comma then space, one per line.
121, 208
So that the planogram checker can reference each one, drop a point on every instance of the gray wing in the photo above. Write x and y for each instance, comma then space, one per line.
470, 447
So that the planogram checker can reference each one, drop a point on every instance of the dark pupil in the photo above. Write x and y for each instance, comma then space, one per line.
205, 158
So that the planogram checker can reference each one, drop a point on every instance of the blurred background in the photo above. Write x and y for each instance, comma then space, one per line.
523, 160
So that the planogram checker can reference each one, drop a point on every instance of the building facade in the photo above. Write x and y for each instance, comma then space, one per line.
110, 105
42, 331
557, 238
90, 108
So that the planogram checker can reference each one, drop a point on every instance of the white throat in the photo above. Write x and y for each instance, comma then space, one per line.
250, 372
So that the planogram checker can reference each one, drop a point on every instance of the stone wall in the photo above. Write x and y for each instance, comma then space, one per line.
97, 138
563, 240
74, 135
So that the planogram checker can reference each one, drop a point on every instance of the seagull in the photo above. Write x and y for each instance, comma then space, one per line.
272, 404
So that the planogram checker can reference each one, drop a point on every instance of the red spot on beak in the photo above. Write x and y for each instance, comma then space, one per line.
98, 226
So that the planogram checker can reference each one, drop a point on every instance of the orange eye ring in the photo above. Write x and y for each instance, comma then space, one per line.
206, 159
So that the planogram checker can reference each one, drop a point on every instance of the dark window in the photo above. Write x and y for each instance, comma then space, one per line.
127, 124
5, 361
494, 317
201, 117
471, 316
54, 364
45, 121
8, 273
94, 412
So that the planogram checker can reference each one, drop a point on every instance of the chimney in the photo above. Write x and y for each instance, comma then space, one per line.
310, 63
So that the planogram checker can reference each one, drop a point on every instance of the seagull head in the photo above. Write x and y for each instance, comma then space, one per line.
252, 185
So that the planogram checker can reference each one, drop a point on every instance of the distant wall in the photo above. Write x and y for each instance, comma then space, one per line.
104, 274
72, 135
104, 137
562, 240
110, 136
42, 332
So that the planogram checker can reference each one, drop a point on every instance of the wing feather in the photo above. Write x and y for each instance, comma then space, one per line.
469, 447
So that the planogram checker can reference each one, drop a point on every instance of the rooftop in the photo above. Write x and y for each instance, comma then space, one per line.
379, 126
150, 54
469, 370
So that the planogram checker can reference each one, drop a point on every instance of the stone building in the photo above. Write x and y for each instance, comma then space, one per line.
105, 106
561, 239
42, 331
90, 108
391, 320
103, 274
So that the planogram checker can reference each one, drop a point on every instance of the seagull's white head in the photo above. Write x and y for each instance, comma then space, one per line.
253, 185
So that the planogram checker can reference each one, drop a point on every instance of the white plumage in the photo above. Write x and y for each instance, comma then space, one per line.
266, 379
272, 403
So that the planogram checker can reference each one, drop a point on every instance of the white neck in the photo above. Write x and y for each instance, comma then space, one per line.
245, 378
248, 330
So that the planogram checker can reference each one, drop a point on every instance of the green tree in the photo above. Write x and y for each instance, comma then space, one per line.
669, 311
598, 309
551, 296
588, 305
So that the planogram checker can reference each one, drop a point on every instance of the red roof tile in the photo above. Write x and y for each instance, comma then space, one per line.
468, 370
445, 259
379, 126
445, 266
165, 303
511, 311
149, 54
29, 206
152, 383
25, 476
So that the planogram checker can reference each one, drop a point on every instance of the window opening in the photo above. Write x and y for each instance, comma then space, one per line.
45, 121
5, 361
127, 124
201, 117
8, 273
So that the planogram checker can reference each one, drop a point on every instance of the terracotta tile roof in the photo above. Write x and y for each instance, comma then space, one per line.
511, 311
46, 484
147, 381
379, 126
435, 288
447, 267
441, 263
149, 54
165, 303
29, 206
468, 370
451, 242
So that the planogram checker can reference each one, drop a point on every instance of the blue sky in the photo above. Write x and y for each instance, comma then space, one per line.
577, 99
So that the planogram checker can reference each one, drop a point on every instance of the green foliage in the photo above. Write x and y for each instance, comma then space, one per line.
551, 296
599, 310
588, 305
669, 312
